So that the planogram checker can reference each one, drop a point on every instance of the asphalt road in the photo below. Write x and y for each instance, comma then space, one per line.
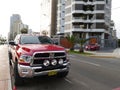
86, 73
96, 73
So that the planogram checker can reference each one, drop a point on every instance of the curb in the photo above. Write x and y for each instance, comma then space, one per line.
102, 56
9, 83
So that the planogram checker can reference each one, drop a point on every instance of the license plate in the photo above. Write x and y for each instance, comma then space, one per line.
51, 73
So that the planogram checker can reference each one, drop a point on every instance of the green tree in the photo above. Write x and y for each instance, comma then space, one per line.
81, 41
2, 40
72, 40
24, 30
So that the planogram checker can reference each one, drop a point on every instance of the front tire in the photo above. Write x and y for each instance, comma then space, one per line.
17, 79
10, 57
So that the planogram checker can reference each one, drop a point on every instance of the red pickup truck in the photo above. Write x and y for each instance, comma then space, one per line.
35, 55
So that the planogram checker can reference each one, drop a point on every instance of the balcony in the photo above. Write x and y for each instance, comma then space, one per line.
98, 20
89, 3
87, 30
99, 2
78, 19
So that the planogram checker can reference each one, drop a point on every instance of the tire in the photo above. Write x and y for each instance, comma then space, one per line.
17, 79
10, 57
63, 74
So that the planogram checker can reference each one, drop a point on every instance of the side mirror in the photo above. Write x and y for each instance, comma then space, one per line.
12, 43
56, 43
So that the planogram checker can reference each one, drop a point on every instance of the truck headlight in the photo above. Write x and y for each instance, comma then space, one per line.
46, 63
25, 58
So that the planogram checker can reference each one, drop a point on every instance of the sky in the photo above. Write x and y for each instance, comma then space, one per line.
29, 10
116, 15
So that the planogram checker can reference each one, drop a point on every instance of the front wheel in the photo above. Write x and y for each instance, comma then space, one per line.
17, 79
10, 57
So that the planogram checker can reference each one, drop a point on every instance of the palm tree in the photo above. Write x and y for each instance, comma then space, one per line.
81, 41
72, 40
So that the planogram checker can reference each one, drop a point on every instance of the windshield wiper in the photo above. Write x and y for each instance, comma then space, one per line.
31, 43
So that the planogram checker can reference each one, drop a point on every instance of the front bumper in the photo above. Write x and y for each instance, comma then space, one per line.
28, 71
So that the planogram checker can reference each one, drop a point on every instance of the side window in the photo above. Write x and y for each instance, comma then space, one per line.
16, 40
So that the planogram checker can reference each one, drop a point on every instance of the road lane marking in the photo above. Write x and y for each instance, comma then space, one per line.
91, 63
86, 61
68, 80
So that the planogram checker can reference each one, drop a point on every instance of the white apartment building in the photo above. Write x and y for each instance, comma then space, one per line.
85, 19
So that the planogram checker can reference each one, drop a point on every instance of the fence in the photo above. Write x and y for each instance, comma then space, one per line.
107, 43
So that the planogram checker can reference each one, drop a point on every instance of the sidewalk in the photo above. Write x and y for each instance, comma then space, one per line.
5, 80
106, 53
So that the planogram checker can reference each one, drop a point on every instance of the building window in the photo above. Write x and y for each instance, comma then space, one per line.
100, 7
106, 1
100, 25
88, 7
63, 4
99, 16
63, 11
78, 6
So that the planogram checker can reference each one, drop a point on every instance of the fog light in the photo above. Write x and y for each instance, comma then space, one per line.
60, 61
54, 62
46, 63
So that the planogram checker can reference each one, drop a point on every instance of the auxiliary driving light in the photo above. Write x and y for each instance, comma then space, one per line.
54, 62
60, 61
46, 63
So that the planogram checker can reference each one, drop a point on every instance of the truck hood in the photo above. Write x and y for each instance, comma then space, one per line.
40, 47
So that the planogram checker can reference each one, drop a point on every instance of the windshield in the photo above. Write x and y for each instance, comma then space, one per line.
35, 40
